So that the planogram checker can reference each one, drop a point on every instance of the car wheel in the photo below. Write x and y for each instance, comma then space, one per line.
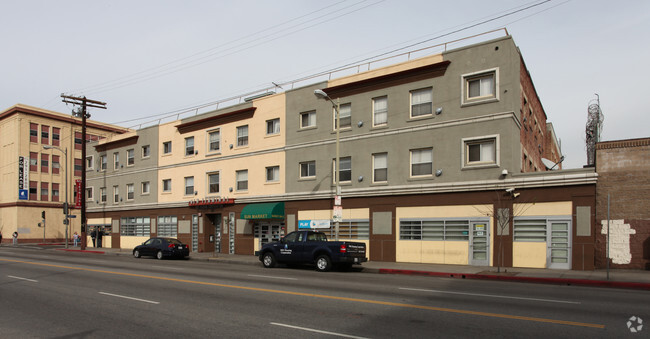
159, 255
268, 260
136, 254
323, 263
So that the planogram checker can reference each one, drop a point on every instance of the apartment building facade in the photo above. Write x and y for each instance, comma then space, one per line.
36, 143
440, 162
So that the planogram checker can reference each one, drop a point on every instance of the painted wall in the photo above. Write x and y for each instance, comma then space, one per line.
529, 254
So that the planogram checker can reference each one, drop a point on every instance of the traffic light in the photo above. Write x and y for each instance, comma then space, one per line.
65, 208
43, 214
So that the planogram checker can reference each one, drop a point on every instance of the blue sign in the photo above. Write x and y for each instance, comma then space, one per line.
23, 194
304, 223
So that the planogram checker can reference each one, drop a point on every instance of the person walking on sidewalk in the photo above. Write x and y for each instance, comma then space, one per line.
0, 238
75, 237
15, 236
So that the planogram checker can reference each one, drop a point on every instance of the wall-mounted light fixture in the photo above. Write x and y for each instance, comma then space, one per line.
438, 110
360, 123
439, 172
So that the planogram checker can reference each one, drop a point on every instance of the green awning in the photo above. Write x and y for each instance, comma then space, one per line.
270, 210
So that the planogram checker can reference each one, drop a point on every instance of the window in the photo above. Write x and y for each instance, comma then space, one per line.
167, 147
380, 111
380, 167
307, 169
189, 146
89, 193
116, 160
214, 138
273, 126
308, 119
78, 164
33, 132
529, 230
130, 157
55, 192
146, 187
434, 229
56, 165
56, 136
421, 162
480, 86
242, 180
189, 185
421, 102
77, 140
103, 162
146, 151
45, 163
130, 191
213, 182
33, 190
167, 185
33, 161
167, 226
102, 194
90, 161
351, 229
45, 134
273, 174
45, 191
345, 116
480, 152
345, 169
135, 226
242, 135
116, 194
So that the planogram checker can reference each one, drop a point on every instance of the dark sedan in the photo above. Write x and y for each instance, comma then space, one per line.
162, 248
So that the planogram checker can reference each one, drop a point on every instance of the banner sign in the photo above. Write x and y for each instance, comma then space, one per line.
313, 224
23, 180
77, 188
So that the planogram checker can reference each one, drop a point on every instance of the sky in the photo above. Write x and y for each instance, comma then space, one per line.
150, 60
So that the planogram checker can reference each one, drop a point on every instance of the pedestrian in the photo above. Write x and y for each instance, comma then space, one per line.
0, 238
15, 235
75, 238
93, 235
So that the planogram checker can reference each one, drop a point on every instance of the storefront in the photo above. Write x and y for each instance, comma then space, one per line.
267, 221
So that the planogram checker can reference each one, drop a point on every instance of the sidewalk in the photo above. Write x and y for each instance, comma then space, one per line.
631, 279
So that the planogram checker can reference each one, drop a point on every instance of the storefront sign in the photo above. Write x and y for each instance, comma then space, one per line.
23, 180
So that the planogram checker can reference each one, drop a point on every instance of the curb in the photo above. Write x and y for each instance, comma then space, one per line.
556, 281
79, 251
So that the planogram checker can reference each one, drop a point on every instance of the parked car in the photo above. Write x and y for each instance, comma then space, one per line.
162, 248
309, 247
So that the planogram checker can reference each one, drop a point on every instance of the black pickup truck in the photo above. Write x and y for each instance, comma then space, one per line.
310, 247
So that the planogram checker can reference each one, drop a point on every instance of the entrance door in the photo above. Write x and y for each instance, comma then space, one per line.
195, 233
479, 244
217, 233
559, 245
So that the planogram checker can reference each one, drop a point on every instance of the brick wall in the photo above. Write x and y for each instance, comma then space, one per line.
623, 169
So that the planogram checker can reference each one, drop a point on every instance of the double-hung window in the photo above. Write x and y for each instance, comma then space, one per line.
345, 116
189, 185
116, 160
380, 167
213, 182
130, 191
103, 162
242, 135
214, 138
308, 119
167, 147
242, 180
345, 169
146, 187
273, 126
307, 169
380, 111
167, 185
146, 151
273, 174
130, 157
102, 194
116, 194
421, 102
421, 162
189, 146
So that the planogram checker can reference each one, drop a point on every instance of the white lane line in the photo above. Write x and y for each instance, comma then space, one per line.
492, 296
19, 278
271, 277
318, 331
130, 298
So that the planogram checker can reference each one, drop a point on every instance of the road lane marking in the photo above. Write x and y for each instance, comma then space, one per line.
318, 331
19, 278
271, 277
167, 268
491, 296
130, 298
366, 301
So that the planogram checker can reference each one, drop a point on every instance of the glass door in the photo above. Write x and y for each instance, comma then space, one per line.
195, 233
479, 244
559, 245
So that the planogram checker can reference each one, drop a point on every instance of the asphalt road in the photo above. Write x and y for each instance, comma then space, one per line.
51, 294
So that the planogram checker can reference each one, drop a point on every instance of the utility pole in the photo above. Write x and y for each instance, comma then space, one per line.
83, 102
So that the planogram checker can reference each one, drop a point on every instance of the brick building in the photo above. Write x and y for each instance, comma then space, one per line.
623, 168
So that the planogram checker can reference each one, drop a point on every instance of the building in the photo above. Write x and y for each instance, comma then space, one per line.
623, 194
40, 149
443, 159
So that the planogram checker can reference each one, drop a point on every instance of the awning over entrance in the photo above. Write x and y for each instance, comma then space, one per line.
270, 210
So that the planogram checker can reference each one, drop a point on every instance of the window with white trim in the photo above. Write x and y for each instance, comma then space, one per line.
213, 182
146, 187
242, 180
130, 157
308, 119
130, 191
116, 160
135, 226
380, 111
434, 229
167, 226
480, 151
529, 230
480, 86
214, 140
90, 162
116, 194
102, 194
167, 185
345, 169
189, 185
189, 146
380, 167
89, 193
273, 126
307, 169
273, 174
422, 162
167, 147
146, 151
421, 102
345, 116
242, 135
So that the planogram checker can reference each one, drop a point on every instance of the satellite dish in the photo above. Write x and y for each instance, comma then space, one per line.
548, 163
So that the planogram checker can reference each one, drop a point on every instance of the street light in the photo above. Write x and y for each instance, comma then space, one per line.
320, 94
65, 209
